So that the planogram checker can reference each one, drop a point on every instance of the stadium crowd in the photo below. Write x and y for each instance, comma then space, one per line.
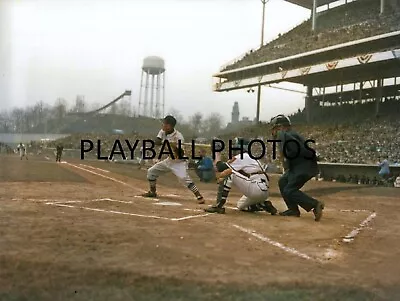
352, 135
344, 133
345, 23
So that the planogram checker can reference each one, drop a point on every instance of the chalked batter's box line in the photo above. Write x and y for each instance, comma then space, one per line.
67, 204
327, 255
123, 183
348, 238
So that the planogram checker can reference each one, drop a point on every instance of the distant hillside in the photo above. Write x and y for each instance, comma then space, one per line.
106, 124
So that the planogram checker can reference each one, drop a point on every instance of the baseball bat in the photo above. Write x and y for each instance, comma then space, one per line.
203, 145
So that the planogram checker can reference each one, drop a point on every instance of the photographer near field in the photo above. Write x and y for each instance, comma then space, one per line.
205, 167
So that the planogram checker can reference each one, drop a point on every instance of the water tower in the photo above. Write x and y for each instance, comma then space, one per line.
151, 104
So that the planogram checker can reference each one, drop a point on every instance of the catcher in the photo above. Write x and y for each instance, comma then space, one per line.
248, 176
175, 165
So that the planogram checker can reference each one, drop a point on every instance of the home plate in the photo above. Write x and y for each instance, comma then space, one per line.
168, 204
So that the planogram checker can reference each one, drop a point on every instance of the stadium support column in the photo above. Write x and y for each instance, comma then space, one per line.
308, 103
314, 15
379, 95
262, 44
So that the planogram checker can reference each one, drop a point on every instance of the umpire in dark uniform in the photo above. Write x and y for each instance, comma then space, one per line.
300, 165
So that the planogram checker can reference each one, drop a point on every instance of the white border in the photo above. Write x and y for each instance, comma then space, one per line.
64, 204
276, 244
352, 235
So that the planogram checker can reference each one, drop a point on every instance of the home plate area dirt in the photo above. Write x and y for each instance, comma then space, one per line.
92, 237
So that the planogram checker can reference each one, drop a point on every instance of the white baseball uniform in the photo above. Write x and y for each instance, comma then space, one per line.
397, 182
22, 151
141, 159
177, 166
254, 187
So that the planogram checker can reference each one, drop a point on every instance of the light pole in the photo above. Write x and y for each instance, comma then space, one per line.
262, 44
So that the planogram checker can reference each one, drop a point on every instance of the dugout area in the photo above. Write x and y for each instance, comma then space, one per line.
93, 238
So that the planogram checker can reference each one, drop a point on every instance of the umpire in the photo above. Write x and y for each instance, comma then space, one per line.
300, 165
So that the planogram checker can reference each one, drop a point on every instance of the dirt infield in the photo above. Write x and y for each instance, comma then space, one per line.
78, 231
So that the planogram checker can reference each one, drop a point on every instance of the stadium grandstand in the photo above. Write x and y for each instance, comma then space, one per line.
347, 58
348, 54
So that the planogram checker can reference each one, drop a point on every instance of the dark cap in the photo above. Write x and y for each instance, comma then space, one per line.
280, 120
170, 120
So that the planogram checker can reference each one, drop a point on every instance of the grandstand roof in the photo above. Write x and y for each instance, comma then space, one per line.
309, 3
345, 23
366, 59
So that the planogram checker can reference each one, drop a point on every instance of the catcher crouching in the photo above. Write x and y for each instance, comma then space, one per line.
177, 166
249, 177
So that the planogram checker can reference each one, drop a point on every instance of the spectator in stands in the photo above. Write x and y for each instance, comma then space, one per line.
384, 171
205, 167
363, 180
397, 182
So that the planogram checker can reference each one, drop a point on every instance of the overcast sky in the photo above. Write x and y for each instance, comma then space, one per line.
62, 48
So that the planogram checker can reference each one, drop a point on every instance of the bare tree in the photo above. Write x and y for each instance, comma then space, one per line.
177, 114
94, 106
5, 122
40, 112
124, 108
60, 109
28, 119
17, 116
213, 124
195, 123
113, 109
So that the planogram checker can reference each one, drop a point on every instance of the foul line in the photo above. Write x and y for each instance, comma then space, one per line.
91, 167
276, 244
109, 178
123, 183
189, 217
352, 235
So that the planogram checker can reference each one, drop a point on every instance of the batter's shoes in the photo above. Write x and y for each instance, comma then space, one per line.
150, 194
290, 212
318, 210
215, 209
200, 200
268, 207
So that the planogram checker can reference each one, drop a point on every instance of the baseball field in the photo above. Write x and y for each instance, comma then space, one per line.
78, 230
